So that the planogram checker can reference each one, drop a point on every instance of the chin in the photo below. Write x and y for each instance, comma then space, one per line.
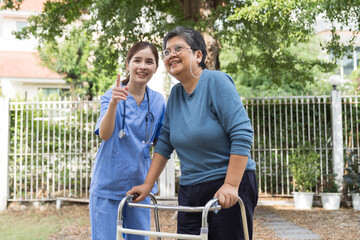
175, 72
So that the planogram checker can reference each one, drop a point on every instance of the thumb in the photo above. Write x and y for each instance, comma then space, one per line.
118, 81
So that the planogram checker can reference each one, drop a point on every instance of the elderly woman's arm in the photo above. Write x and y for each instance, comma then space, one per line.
228, 193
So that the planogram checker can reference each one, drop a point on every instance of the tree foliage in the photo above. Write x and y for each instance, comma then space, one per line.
73, 58
263, 32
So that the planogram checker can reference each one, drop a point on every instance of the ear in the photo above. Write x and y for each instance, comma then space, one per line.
127, 66
198, 56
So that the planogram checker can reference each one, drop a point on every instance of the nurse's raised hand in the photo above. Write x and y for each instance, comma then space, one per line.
141, 190
119, 93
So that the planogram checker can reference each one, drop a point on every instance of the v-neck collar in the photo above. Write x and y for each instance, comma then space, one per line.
193, 93
132, 102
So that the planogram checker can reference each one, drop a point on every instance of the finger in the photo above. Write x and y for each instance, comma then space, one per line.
120, 96
226, 202
139, 198
221, 200
121, 91
130, 192
118, 81
135, 196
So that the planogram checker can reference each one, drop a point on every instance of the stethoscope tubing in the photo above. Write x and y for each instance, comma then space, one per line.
148, 115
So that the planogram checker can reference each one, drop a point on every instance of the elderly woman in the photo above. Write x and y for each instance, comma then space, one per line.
205, 121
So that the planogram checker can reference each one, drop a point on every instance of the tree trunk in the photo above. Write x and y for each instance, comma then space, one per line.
199, 9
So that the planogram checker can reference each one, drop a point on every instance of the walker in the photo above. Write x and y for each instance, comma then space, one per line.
211, 205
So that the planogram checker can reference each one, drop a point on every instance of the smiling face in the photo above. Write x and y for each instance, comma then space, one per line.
142, 66
179, 56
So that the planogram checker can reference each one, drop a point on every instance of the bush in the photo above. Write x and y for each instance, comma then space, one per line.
304, 167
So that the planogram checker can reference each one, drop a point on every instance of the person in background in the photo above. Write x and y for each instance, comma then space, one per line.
206, 123
131, 116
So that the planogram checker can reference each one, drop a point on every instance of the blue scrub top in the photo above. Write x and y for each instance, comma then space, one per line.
123, 163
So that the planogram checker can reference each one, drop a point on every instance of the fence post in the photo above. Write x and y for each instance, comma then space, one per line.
167, 179
4, 152
337, 136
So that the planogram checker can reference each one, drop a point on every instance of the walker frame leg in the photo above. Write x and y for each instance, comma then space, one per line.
211, 205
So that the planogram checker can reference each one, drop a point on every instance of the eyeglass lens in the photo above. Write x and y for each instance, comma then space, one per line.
178, 49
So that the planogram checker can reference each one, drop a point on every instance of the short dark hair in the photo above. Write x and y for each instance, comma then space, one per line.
192, 37
136, 48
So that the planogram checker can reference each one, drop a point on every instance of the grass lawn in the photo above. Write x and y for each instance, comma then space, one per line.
25, 222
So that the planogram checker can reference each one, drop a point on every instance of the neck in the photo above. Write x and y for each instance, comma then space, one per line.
137, 91
189, 81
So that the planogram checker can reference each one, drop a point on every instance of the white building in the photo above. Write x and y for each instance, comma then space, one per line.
21, 73
348, 64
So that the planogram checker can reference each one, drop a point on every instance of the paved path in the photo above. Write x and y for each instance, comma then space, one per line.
283, 228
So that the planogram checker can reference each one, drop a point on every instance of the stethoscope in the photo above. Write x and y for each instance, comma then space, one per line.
149, 116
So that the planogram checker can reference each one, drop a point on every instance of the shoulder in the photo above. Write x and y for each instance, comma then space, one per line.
216, 77
176, 88
217, 81
156, 96
107, 95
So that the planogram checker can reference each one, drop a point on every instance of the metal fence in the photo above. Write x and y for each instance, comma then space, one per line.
52, 146
281, 124
351, 122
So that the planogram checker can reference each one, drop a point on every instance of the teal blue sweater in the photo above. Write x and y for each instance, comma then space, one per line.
205, 127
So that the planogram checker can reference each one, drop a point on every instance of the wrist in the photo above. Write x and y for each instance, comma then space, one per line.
112, 103
231, 184
149, 184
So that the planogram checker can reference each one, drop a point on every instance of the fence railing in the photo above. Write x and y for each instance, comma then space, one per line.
281, 124
52, 147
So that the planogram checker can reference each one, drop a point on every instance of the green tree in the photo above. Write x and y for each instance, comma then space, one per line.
253, 81
73, 58
265, 33
264, 30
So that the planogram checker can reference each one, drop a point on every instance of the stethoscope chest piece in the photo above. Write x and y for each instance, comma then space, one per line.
149, 118
121, 133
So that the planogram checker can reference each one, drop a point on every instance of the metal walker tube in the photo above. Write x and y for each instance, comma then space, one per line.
211, 205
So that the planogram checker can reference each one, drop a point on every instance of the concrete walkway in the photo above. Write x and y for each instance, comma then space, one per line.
283, 228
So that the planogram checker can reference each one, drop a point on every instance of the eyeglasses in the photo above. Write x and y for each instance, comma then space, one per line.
178, 50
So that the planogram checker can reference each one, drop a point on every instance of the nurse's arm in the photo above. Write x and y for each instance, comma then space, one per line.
158, 164
107, 124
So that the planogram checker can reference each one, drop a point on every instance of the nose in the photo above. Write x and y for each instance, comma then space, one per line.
172, 52
142, 65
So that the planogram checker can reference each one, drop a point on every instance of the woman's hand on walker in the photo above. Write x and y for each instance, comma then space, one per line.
227, 195
141, 190
119, 93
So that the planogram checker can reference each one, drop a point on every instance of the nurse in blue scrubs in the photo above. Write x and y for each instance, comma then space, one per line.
130, 120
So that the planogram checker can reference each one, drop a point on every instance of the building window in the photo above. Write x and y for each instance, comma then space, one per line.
47, 92
20, 25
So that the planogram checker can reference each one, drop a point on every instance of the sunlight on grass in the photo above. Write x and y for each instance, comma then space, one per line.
37, 224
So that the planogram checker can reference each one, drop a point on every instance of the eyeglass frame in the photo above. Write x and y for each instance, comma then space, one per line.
177, 53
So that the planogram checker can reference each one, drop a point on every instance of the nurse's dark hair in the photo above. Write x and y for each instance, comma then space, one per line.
192, 37
135, 48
